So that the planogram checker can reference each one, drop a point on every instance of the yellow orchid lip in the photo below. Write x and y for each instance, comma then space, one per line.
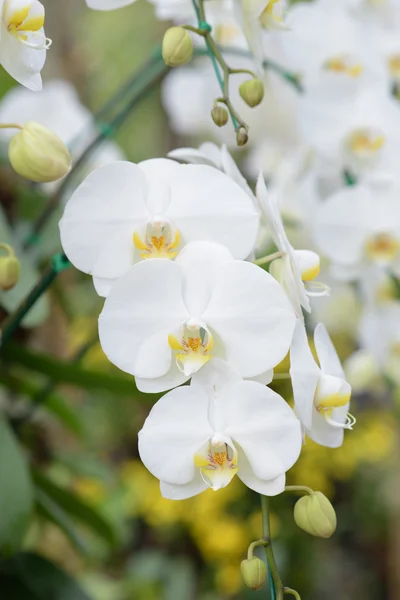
218, 464
20, 23
365, 143
159, 241
382, 247
344, 65
193, 347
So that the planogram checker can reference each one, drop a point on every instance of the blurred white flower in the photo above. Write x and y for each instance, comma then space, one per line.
23, 43
294, 268
108, 4
157, 207
359, 226
321, 393
201, 436
164, 320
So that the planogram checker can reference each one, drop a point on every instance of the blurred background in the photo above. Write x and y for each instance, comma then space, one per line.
73, 492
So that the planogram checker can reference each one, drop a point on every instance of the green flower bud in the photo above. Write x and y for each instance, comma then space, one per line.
252, 92
254, 572
9, 269
177, 47
220, 116
315, 515
38, 154
242, 137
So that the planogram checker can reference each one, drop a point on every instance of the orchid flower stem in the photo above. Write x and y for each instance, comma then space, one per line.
281, 376
277, 586
289, 591
7, 248
267, 259
255, 545
219, 62
303, 489
10, 126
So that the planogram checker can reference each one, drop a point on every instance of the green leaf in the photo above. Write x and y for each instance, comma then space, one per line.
76, 508
54, 404
16, 497
64, 372
28, 576
28, 278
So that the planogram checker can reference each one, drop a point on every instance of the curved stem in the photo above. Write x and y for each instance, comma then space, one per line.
303, 489
278, 586
267, 259
10, 126
291, 592
255, 545
7, 248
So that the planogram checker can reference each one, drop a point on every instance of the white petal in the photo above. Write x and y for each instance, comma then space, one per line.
264, 378
108, 4
252, 316
143, 307
181, 492
327, 355
231, 169
324, 434
111, 201
200, 262
264, 426
172, 379
175, 429
270, 487
305, 374
20, 61
207, 205
193, 156
216, 375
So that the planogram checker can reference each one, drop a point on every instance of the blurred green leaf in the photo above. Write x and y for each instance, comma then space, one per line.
16, 497
53, 403
76, 508
64, 372
28, 278
28, 576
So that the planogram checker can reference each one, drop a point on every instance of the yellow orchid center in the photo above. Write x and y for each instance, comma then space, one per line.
25, 24
344, 65
193, 347
159, 241
332, 393
308, 263
394, 66
218, 462
272, 15
382, 248
365, 143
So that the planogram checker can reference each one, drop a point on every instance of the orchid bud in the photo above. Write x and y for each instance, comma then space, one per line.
252, 92
242, 137
177, 47
254, 572
315, 515
9, 269
38, 154
220, 116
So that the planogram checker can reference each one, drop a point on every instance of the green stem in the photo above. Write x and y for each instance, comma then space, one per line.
253, 545
10, 126
291, 592
303, 489
147, 77
267, 259
273, 568
13, 321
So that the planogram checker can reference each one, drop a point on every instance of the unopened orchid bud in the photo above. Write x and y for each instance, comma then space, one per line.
219, 115
242, 137
252, 92
254, 572
315, 514
38, 154
177, 47
9, 268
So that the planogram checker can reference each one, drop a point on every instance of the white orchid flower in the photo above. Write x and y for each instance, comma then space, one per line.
123, 213
201, 436
359, 226
321, 392
295, 269
164, 320
108, 4
23, 43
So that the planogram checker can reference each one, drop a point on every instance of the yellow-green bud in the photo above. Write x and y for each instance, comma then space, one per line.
254, 572
252, 92
220, 116
242, 137
9, 269
177, 47
38, 154
315, 515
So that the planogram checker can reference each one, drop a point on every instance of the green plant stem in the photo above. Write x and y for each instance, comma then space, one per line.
303, 489
145, 79
267, 259
13, 321
289, 591
273, 568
